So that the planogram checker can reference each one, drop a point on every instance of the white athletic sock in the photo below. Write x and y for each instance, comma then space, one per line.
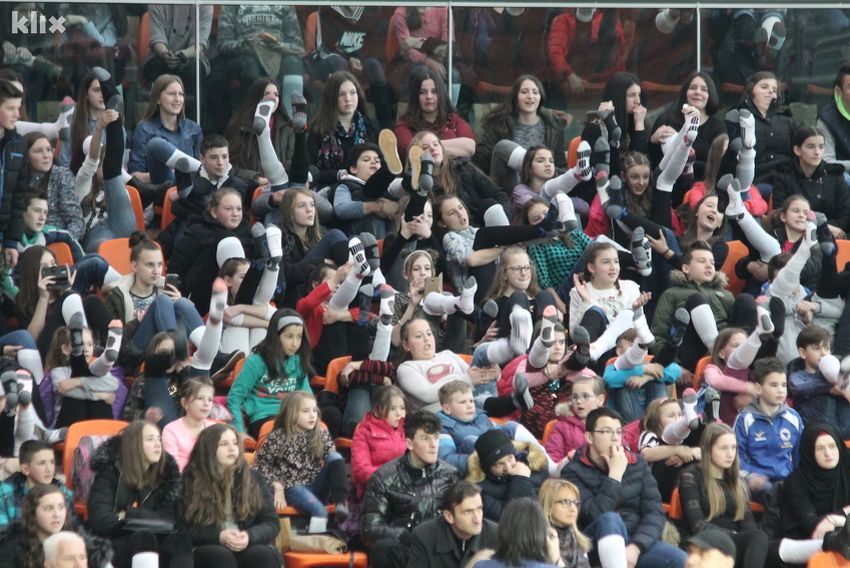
346, 292
678, 157
24, 426
787, 280
499, 352
538, 357
612, 551
746, 352
227, 248
608, 340
675, 433
799, 551
73, 304
111, 276
522, 327
566, 212
381, 346
466, 301
272, 168
438, 304
702, 318
30, 359
495, 216
563, 183
188, 166
634, 356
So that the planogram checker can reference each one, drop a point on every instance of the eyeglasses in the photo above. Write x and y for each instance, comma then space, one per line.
582, 397
565, 503
610, 433
518, 269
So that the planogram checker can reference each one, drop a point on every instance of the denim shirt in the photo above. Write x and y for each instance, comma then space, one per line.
186, 138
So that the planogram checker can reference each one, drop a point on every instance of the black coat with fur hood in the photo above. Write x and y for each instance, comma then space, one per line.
110, 493
496, 492
13, 551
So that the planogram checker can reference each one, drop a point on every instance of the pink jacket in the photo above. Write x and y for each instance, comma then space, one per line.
374, 444
756, 204
566, 438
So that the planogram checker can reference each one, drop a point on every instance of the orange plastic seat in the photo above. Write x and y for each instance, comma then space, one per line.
333, 371
294, 559
465, 357
167, 215
675, 505
820, 560
649, 86
737, 251
136, 204
547, 430
63, 253
843, 255
228, 381
572, 152
76, 432
699, 373
117, 253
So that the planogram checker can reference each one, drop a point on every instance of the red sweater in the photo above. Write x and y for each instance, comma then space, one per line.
310, 308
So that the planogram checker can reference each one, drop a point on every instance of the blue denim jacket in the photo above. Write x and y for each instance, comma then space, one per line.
187, 138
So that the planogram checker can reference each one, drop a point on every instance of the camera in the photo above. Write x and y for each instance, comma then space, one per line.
172, 280
60, 275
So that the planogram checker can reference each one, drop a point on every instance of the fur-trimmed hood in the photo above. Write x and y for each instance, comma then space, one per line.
679, 278
536, 461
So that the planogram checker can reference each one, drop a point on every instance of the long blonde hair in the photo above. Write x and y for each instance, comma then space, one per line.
500, 280
548, 497
445, 178
162, 82
716, 500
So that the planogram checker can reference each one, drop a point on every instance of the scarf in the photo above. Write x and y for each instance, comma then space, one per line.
331, 155
568, 545
839, 103
829, 488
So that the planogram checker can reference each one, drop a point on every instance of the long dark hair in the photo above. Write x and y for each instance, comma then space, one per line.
34, 555
641, 204
29, 265
242, 144
325, 121
208, 495
691, 233
80, 124
522, 534
272, 352
135, 469
497, 119
31, 138
754, 80
615, 91
413, 116
711, 106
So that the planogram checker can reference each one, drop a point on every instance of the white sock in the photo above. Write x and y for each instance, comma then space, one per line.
799, 551
612, 551
188, 166
689, 402
378, 279
466, 302
735, 209
608, 339
702, 318
266, 287
499, 352
227, 248
207, 346
103, 364
197, 335
125, 177
787, 279
563, 183
272, 168
396, 188
218, 301
829, 367
381, 346
24, 426
30, 359
146, 560
665, 22
521, 329
73, 304
495, 216
634, 356
746, 171
746, 353
566, 211
111, 276
275, 247
678, 157
675, 433
439, 304
538, 357
516, 158
346, 292
767, 246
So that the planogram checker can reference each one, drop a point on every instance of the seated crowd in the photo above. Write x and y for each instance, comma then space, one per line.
535, 354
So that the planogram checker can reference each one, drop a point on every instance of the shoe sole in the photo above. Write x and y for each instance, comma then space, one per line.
225, 371
389, 148
413, 155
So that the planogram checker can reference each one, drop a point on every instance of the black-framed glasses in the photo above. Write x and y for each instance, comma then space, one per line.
565, 503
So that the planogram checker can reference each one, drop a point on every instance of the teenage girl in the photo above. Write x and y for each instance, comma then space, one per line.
178, 437
415, 232
809, 176
379, 438
57, 182
538, 178
279, 365
226, 506
299, 460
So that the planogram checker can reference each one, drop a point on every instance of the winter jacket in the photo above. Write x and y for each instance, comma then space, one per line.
311, 309
63, 205
756, 204
836, 138
109, 493
49, 235
826, 190
238, 23
636, 498
768, 445
497, 492
472, 187
374, 444
677, 294
435, 545
399, 497
194, 257
598, 47
329, 165
119, 304
248, 166
567, 436
290, 461
12, 493
454, 127
773, 141
14, 177
348, 199
262, 528
13, 552
555, 140
453, 449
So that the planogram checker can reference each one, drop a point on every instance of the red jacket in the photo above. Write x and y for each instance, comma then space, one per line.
567, 436
310, 308
374, 444
601, 59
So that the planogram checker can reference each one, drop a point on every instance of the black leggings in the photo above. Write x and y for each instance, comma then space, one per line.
97, 317
255, 556
75, 410
742, 314
543, 299
595, 322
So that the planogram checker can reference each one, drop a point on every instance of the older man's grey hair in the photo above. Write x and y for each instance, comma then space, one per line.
51, 544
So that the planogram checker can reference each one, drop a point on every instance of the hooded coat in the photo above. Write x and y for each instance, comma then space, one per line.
13, 551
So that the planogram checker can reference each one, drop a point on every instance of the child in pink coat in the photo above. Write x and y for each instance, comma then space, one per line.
568, 435
379, 438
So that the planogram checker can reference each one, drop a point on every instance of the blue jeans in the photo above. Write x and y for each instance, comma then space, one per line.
120, 221
90, 272
626, 401
159, 150
487, 390
162, 316
659, 555
18, 337
358, 404
308, 498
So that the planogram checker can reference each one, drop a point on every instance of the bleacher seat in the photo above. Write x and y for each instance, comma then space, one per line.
75, 433
167, 215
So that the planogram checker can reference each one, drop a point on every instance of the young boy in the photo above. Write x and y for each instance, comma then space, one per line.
632, 381
463, 423
13, 163
815, 396
768, 431
194, 190
568, 435
38, 465
353, 206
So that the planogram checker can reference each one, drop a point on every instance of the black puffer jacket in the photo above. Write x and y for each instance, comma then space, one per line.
262, 527
472, 187
194, 261
773, 141
826, 190
14, 177
497, 492
810, 274
399, 497
13, 552
110, 494
636, 498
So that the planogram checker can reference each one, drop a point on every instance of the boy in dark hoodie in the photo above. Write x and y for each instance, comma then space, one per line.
15, 172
